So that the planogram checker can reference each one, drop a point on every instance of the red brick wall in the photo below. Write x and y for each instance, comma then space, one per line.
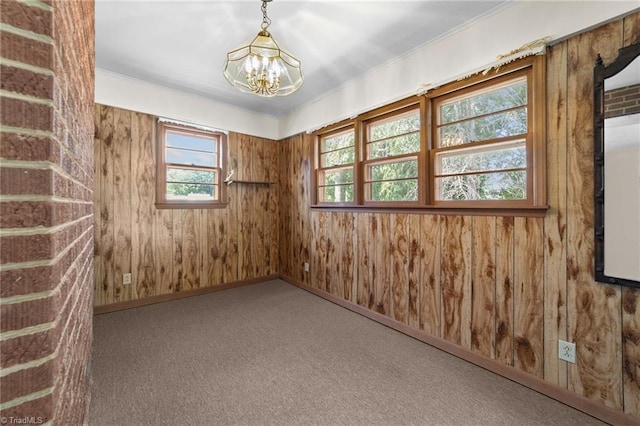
622, 101
46, 210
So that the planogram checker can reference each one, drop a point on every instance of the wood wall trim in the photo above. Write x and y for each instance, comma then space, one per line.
104, 309
562, 395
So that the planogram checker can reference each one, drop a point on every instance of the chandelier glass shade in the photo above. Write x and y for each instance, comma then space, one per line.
263, 67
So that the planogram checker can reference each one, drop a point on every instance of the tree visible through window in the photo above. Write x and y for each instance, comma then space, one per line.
391, 166
481, 143
473, 143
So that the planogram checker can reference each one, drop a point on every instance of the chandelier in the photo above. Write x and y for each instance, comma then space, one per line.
263, 67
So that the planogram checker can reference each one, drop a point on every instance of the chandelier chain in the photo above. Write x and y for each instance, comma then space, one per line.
265, 19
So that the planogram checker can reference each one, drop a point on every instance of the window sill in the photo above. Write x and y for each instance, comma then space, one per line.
190, 205
520, 211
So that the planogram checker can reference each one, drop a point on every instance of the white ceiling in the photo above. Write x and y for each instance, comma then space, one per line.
182, 44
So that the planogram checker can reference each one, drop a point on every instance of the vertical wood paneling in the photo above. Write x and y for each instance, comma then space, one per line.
177, 277
431, 292
107, 240
382, 274
303, 201
399, 279
122, 202
414, 269
528, 295
631, 297
334, 271
349, 281
504, 289
142, 186
555, 255
274, 207
456, 279
231, 215
483, 286
190, 249
321, 251
98, 293
164, 251
245, 195
363, 263
593, 309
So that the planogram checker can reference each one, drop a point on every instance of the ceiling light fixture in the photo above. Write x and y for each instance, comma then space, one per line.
263, 67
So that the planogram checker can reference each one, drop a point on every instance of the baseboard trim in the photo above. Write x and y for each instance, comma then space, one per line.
119, 306
571, 399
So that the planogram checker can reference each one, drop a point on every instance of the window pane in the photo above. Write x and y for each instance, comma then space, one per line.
486, 186
393, 171
338, 176
337, 194
494, 126
396, 146
500, 99
191, 158
190, 176
341, 140
482, 160
338, 158
179, 140
191, 192
398, 125
400, 190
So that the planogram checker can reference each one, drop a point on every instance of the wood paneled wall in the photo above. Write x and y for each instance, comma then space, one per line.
503, 287
175, 250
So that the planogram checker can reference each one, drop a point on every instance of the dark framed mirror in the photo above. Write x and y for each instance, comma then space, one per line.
617, 168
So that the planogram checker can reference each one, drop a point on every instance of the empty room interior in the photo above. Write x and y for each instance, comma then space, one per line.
319, 212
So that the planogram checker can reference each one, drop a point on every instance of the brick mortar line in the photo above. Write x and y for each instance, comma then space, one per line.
4, 372
38, 4
40, 198
26, 331
26, 98
25, 131
41, 165
46, 262
26, 398
26, 34
27, 67
40, 230
26, 297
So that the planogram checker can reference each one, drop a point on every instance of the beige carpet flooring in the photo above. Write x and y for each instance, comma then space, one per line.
273, 354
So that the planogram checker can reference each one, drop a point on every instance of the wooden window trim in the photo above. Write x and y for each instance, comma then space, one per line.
161, 167
535, 142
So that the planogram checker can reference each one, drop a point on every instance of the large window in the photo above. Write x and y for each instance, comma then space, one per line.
189, 166
475, 143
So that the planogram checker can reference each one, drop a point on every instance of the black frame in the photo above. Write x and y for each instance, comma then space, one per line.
626, 55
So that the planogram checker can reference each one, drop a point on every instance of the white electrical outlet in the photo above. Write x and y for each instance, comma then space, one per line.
306, 266
126, 279
567, 351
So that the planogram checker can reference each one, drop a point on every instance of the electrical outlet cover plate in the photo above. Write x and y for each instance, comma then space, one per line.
126, 279
567, 351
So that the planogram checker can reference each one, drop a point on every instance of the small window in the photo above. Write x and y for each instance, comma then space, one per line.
391, 167
336, 172
190, 164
